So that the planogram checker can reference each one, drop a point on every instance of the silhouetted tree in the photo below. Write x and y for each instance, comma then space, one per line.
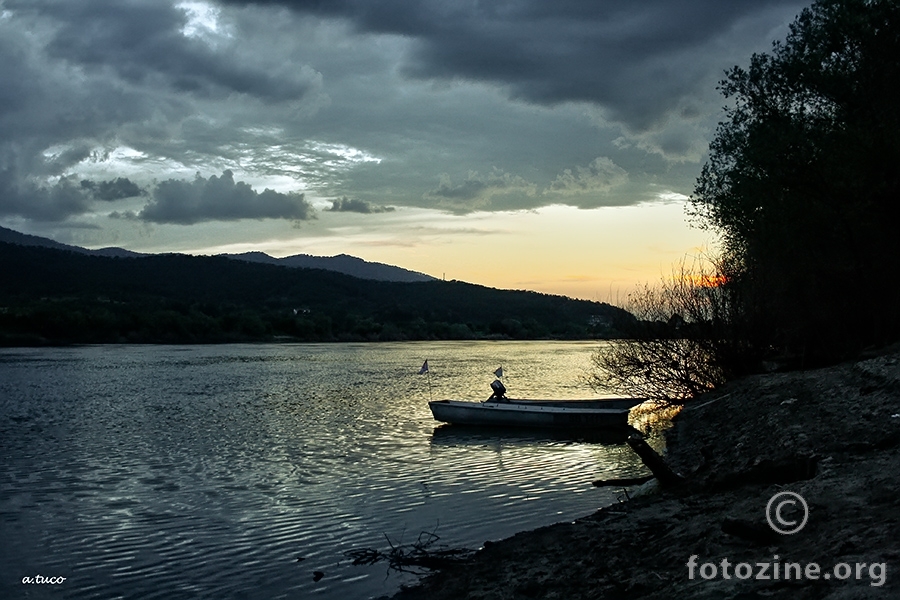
681, 344
802, 181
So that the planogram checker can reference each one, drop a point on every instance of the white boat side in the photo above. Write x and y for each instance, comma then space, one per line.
526, 413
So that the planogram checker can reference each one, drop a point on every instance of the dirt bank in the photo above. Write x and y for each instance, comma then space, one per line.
830, 435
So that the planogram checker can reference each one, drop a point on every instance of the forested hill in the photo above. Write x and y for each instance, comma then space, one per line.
57, 296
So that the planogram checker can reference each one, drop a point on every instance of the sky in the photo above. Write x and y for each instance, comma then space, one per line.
520, 144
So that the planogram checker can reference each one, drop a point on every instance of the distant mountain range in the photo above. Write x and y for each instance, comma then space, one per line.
52, 293
11, 236
342, 263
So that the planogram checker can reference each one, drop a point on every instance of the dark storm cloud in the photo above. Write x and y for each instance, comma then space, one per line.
358, 206
338, 96
81, 78
114, 189
50, 203
143, 42
220, 199
40, 106
638, 60
52, 115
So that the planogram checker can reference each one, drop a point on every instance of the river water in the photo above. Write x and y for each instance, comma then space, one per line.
208, 471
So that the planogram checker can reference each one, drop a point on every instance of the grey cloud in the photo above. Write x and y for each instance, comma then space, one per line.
82, 76
143, 43
114, 189
680, 141
636, 59
85, 75
42, 203
220, 199
46, 100
477, 190
358, 206
52, 116
600, 176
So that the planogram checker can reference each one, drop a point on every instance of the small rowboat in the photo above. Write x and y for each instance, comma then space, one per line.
568, 414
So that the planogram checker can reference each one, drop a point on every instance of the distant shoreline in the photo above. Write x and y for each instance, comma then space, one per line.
42, 343
54, 297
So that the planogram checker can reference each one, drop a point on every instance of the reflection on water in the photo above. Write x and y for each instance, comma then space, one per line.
178, 472
465, 435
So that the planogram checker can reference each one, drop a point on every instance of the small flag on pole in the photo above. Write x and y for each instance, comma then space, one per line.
424, 368
499, 372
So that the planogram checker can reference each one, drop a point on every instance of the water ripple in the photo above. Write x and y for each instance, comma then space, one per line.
184, 472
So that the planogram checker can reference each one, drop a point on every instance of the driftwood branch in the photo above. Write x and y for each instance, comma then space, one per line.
622, 482
410, 557
663, 473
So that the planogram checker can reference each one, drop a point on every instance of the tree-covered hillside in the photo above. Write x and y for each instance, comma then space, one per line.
55, 296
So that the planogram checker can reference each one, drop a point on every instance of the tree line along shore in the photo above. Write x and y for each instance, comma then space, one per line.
51, 296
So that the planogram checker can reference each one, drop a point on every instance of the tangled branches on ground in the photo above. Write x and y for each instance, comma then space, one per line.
422, 554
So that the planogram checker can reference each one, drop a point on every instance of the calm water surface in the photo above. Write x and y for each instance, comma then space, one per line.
206, 471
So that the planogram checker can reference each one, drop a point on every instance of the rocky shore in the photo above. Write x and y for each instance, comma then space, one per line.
830, 435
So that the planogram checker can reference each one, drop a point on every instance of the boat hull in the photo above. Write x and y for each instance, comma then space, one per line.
524, 413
